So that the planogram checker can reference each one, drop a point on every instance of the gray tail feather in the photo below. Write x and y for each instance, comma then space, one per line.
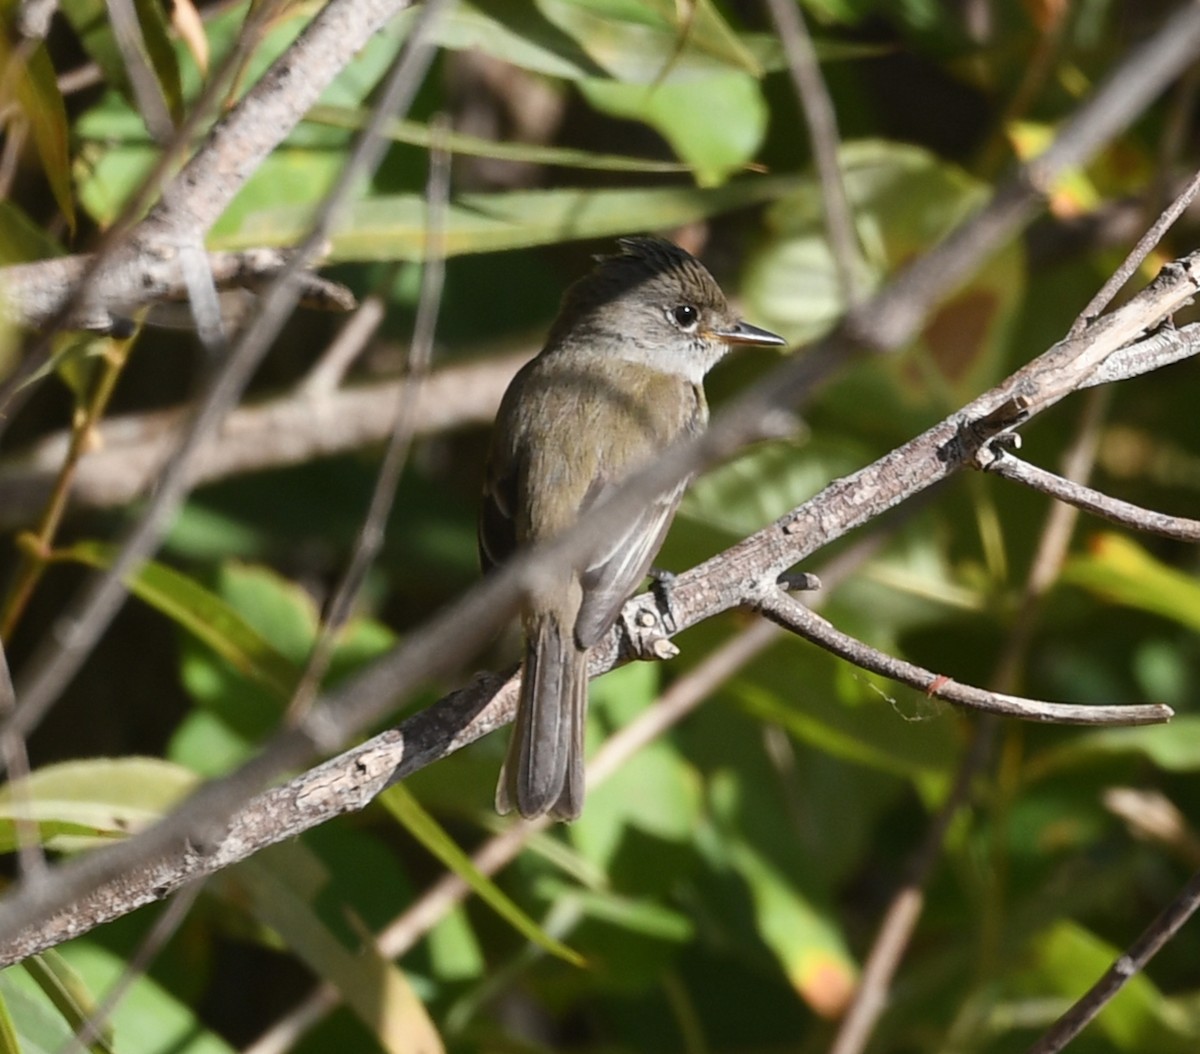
544, 771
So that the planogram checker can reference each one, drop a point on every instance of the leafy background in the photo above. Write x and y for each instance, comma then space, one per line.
722, 889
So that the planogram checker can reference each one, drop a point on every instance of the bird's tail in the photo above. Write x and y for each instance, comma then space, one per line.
544, 769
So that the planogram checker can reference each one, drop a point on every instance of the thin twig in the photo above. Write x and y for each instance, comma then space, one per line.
383, 497
400, 935
330, 370
1114, 510
821, 118
905, 908
143, 81
56, 661
1146, 245
1169, 921
34, 556
1152, 817
1162, 348
793, 615
886, 322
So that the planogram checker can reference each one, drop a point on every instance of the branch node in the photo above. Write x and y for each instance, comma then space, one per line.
991, 452
664, 648
798, 582
973, 434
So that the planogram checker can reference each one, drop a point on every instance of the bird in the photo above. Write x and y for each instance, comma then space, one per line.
619, 379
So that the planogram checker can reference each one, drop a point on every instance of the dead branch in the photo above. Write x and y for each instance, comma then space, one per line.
196, 834
311, 422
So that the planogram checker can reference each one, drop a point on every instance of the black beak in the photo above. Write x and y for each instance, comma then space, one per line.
752, 336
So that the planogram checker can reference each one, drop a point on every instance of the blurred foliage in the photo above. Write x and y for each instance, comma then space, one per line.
724, 885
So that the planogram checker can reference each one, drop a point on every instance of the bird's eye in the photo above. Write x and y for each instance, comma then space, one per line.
685, 316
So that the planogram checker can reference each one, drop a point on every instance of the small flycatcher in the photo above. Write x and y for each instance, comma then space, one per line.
620, 379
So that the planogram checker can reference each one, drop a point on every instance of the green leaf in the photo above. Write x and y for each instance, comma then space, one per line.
202, 613
35, 86
641, 43
116, 153
654, 801
1120, 571
89, 19
903, 199
402, 805
1173, 747
629, 941
417, 134
77, 803
147, 1020
282, 886
632, 41
716, 123
394, 228
22, 240
454, 950
207, 745
646, 917
9, 1044
803, 937
284, 619
64, 988
762, 484
1069, 959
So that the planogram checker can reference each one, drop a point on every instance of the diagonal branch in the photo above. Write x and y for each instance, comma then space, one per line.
352, 780
1169, 921
885, 322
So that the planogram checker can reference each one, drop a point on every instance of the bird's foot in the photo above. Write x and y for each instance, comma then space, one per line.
648, 628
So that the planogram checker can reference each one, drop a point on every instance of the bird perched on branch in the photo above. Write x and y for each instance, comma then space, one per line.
620, 379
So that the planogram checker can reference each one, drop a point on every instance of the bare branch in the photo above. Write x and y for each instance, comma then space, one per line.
147, 950
1112, 509
906, 906
34, 293
821, 118
1145, 245
1162, 348
59, 657
885, 322
788, 612
289, 430
1157, 934
684, 695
